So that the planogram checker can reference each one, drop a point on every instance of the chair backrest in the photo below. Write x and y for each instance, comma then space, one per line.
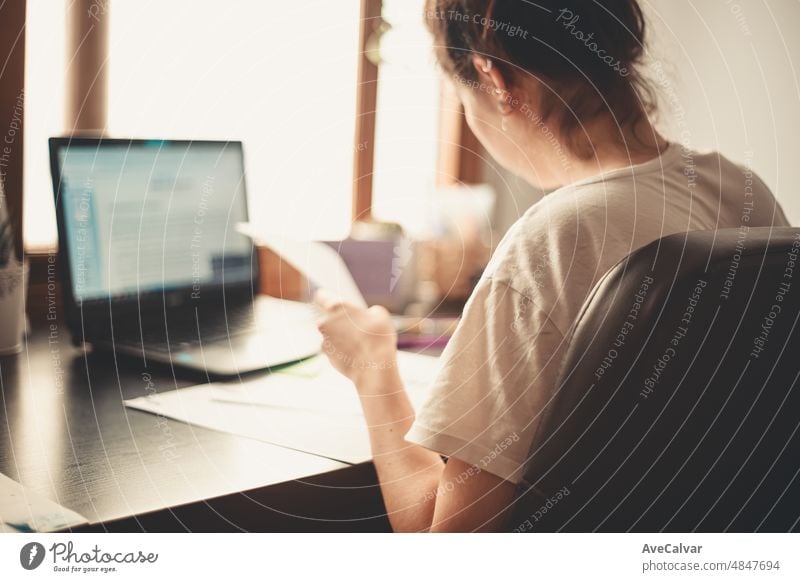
678, 404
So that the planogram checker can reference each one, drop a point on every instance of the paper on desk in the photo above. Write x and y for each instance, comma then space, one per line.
318, 262
289, 389
309, 407
22, 510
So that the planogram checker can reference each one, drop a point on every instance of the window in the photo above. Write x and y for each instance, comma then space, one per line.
407, 118
279, 76
282, 78
44, 116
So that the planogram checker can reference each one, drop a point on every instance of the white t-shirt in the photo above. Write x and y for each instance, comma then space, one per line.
501, 366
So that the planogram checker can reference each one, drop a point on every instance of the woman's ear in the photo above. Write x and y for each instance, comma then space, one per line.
493, 77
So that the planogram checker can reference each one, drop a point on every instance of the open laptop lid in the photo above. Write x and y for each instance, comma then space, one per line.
145, 225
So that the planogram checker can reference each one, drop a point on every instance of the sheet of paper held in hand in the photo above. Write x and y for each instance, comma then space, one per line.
22, 510
318, 262
310, 406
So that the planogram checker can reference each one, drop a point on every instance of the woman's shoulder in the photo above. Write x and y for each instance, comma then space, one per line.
740, 188
554, 238
717, 167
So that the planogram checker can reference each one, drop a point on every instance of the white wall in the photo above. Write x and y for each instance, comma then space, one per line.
732, 66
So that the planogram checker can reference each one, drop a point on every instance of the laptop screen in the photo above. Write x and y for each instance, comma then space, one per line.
148, 216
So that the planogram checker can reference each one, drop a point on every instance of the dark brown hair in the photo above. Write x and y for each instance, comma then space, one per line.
585, 53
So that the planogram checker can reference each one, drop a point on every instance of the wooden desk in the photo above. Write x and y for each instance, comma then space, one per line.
65, 433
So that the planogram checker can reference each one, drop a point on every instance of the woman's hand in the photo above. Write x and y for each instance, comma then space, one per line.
357, 340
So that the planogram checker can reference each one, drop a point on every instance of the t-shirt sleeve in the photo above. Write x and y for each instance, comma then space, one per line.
498, 372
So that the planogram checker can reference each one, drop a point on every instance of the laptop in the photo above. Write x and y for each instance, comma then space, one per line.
151, 262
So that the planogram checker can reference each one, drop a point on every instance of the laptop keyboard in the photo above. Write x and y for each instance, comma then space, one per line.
184, 332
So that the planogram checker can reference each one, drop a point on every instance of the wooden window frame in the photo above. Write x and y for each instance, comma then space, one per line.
366, 106
459, 157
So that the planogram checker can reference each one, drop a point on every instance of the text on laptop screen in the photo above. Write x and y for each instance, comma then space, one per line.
150, 216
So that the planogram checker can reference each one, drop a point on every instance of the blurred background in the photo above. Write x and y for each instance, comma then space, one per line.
345, 119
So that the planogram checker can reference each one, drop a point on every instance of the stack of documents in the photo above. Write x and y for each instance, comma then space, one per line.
310, 406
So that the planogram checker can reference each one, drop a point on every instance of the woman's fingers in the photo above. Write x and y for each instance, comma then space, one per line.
325, 301
379, 311
333, 312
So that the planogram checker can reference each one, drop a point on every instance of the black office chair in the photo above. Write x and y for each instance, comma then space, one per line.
678, 406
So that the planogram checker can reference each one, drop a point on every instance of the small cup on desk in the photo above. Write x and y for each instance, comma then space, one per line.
12, 307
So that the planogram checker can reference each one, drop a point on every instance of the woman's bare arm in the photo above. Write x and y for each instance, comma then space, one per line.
408, 474
420, 492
